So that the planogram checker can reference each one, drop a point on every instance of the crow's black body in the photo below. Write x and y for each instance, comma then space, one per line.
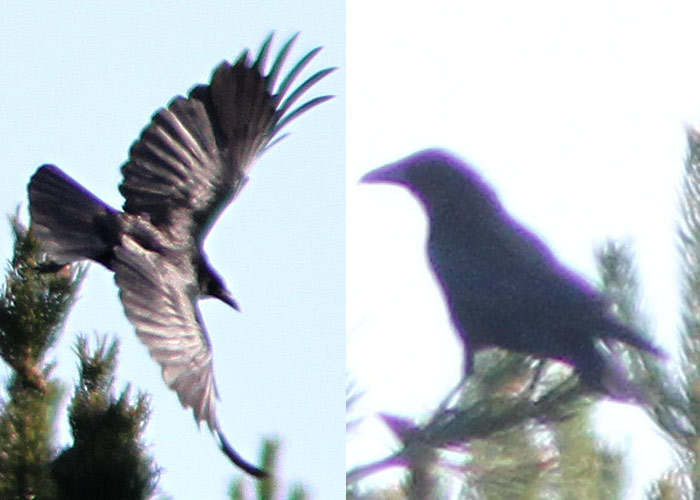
502, 285
186, 167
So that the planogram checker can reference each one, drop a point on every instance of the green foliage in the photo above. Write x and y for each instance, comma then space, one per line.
27, 421
107, 459
679, 414
33, 306
585, 469
268, 488
107, 435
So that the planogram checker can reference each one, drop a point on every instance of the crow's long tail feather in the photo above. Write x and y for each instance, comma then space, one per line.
236, 458
632, 337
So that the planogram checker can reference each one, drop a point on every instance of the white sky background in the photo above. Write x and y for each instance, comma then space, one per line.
78, 85
574, 111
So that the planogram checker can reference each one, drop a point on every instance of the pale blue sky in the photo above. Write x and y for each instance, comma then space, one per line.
78, 85
574, 111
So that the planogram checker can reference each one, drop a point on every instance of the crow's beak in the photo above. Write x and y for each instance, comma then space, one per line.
227, 298
387, 173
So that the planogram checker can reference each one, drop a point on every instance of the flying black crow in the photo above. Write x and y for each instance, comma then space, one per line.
502, 285
187, 166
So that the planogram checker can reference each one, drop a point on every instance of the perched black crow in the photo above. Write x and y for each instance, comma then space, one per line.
502, 285
187, 166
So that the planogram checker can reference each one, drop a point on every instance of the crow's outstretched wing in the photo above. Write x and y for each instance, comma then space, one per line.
193, 157
159, 299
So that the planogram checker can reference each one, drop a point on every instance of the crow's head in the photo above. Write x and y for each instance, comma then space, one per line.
212, 285
437, 178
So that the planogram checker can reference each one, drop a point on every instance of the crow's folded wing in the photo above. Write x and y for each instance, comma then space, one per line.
159, 299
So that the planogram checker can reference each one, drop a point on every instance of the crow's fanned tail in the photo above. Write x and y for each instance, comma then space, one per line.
71, 223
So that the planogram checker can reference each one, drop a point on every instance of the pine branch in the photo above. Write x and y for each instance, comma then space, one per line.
504, 401
679, 415
33, 307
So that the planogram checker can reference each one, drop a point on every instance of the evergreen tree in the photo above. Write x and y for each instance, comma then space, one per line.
32, 309
679, 416
107, 435
107, 458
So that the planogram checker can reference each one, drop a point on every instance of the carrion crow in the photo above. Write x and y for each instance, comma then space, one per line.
503, 286
186, 167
